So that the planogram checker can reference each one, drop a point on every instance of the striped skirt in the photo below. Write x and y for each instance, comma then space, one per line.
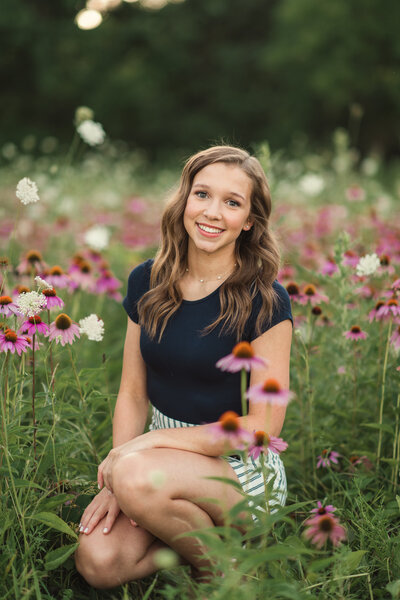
248, 473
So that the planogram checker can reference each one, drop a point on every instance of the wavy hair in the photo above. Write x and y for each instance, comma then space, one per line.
256, 253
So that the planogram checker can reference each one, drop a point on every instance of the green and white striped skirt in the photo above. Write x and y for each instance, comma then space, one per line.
248, 473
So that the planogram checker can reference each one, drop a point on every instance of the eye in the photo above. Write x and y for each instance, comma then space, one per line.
201, 194
233, 203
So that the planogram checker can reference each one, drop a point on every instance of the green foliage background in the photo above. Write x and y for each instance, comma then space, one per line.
205, 70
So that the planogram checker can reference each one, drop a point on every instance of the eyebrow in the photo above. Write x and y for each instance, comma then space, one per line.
204, 185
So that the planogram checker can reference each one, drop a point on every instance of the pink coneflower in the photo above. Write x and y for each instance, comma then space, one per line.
7, 306
329, 267
228, 427
323, 510
107, 282
11, 341
81, 274
396, 285
56, 277
374, 313
63, 330
320, 529
32, 263
294, 292
34, 325
395, 338
30, 342
52, 298
263, 442
327, 457
269, 392
355, 193
350, 258
242, 357
355, 333
390, 309
311, 295
361, 460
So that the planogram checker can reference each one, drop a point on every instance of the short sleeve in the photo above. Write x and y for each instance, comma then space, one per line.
138, 285
282, 312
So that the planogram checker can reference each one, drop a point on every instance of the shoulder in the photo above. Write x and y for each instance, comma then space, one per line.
140, 275
283, 296
282, 310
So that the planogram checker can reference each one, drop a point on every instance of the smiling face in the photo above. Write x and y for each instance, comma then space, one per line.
218, 208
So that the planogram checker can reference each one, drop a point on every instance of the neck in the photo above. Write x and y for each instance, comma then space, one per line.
209, 267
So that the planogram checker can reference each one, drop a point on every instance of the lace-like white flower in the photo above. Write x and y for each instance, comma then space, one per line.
368, 264
30, 304
93, 327
311, 184
97, 237
91, 132
27, 191
42, 284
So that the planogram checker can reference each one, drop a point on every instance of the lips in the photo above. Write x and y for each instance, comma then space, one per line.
209, 229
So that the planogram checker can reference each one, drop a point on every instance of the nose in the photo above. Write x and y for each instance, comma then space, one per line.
212, 210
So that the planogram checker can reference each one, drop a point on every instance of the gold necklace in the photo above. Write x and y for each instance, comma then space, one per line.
218, 278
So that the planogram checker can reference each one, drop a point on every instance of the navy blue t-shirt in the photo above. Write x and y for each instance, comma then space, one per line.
182, 379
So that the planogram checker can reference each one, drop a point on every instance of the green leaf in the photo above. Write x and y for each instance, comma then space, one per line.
53, 521
353, 559
383, 427
398, 501
319, 565
47, 503
55, 558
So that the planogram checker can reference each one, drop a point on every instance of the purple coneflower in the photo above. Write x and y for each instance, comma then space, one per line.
350, 258
263, 442
327, 457
107, 282
228, 427
269, 392
52, 298
63, 330
390, 309
361, 460
242, 357
323, 510
32, 263
311, 295
294, 292
320, 529
30, 342
34, 325
11, 341
355, 333
374, 313
56, 277
81, 275
7, 306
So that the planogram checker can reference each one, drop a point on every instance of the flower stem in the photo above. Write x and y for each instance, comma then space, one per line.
243, 390
353, 420
33, 397
378, 457
396, 447
51, 355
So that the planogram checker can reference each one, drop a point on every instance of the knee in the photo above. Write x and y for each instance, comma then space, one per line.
97, 565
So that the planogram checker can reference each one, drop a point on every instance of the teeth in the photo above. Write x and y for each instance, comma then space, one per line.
210, 229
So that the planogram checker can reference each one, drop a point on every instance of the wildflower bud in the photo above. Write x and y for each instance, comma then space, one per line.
316, 310
83, 113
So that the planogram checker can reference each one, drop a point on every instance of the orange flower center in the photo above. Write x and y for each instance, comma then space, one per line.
310, 290
33, 256
3, 261
271, 386
22, 289
321, 511
56, 270
229, 421
292, 289
355, 329
85, 267
10, 335
261, 438
316, 310
392, 302
5, 300
63, 321
384, 260
49, 292
326, 524
379, 304
243, 350
35, 320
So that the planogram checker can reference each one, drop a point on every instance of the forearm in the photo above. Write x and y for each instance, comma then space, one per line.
130, 417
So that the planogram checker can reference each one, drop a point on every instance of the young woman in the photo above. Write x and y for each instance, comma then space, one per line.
211, 285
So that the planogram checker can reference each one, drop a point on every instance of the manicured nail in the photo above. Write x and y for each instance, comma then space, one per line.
98, 485
80, 525
105, 530
81, 528
86, 530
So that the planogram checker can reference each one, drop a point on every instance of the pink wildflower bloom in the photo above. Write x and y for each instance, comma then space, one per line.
81, 276
136, 205
320, 529
32, 264
327, 457
63, 330
107, 283
395, 338
329, 267
7, 306
396, 285
350, 258
374, 313
355, 333
269, 392
228, 427
312, 296
30, 342
11, 341
242, 357
361, 460
52, 299
57, 278
287, 272
263, 442
390, 309
323, 510
355, 193
294, 292
34, 325
341, 370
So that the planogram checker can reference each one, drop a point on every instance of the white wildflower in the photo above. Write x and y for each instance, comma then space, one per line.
97, 237
368, 264
27, 191
91, 132
311, 184
93, 327
30, 303
42, 284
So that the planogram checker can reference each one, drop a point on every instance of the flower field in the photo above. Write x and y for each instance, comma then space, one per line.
71, 230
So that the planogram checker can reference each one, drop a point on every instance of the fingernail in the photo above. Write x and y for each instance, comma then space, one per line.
98, 485
105, 530
86, 530
81, 529
80, 525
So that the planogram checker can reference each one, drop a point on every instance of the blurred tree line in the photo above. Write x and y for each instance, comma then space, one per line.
203, 71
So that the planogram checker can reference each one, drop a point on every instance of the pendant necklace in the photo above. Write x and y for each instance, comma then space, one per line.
218, 277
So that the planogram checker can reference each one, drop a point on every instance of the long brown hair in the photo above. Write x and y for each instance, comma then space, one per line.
256, 253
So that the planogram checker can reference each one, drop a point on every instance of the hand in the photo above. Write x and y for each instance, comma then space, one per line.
105, 503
